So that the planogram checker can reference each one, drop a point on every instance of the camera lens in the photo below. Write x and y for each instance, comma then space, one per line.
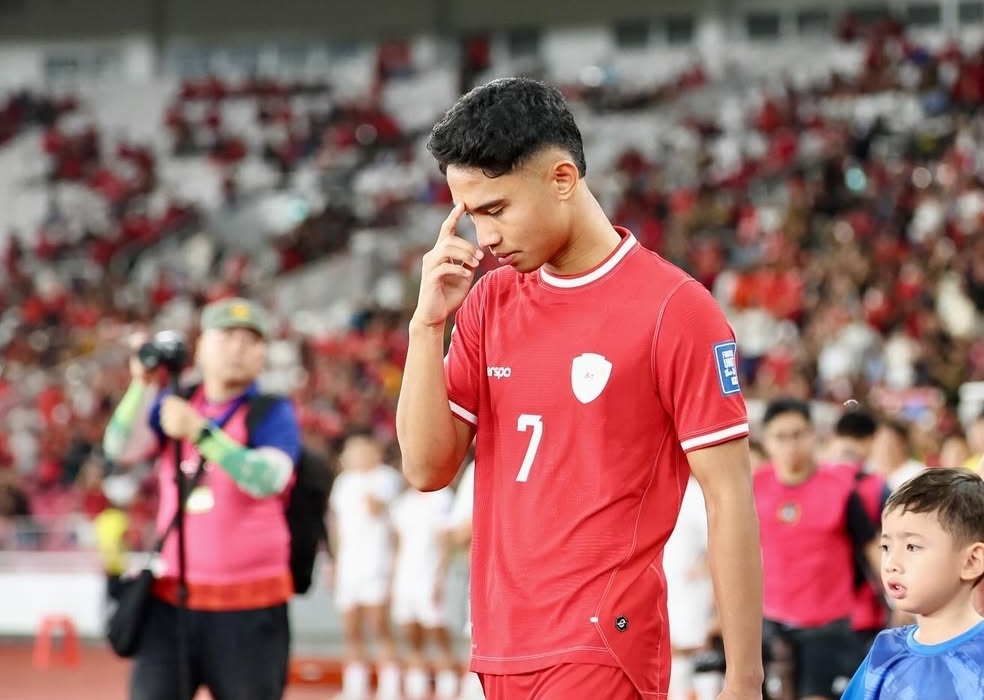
166, 349
149, 356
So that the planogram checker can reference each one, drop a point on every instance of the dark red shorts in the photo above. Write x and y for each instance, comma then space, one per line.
563, 682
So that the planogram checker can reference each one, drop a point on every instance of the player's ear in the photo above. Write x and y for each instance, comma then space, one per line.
973, 567
564, 178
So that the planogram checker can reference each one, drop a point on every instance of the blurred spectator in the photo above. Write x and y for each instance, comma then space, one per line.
891, 453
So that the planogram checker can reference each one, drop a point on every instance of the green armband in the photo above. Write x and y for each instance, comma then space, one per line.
121, 424
258, 472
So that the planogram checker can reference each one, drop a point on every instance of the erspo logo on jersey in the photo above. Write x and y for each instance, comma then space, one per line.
499, 372
726, 358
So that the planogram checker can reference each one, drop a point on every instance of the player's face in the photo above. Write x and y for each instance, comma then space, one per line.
789, 443
518, 217
923, 566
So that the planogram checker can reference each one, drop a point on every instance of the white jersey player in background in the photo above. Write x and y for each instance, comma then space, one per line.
690, 598
460, 532
362, 542
419, 579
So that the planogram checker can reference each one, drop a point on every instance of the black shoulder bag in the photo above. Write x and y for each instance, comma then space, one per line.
133, 597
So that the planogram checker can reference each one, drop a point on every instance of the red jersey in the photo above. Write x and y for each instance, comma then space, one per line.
810, 533
586, 392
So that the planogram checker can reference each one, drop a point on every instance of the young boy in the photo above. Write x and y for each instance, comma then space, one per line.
932, 559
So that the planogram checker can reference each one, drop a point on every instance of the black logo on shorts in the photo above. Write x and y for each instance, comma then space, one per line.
621, 624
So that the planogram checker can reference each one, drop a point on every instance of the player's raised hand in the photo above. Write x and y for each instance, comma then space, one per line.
447, 271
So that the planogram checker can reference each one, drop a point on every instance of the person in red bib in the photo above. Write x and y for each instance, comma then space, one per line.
812, 523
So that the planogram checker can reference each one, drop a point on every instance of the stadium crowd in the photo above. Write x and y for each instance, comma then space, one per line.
844, 244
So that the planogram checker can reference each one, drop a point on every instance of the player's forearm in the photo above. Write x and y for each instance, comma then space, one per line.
122, 439
259, 472
736, 566
425, 425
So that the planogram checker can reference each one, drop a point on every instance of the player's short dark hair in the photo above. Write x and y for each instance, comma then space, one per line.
859, 425
956, 496
780, 407
499, 126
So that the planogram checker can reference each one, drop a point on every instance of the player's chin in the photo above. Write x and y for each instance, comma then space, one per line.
524, 264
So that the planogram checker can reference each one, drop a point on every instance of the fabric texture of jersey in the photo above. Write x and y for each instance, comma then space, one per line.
587, 392
900, 668
231, 536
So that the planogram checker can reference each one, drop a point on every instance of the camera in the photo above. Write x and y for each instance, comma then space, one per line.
166, 349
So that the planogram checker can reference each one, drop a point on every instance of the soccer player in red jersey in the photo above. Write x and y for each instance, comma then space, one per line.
595, 376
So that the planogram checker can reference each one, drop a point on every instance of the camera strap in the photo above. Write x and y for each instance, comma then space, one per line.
199, 472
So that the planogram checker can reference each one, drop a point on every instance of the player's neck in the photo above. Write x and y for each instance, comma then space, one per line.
952, 620
592, 239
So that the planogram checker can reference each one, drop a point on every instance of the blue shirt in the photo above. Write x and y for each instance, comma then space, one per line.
278, 428
900, 668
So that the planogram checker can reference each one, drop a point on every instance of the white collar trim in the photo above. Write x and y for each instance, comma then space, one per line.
627, 244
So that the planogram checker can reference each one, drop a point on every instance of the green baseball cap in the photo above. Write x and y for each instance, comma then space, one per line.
236, 313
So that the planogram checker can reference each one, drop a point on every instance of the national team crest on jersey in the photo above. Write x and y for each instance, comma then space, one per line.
726, 358
589, 376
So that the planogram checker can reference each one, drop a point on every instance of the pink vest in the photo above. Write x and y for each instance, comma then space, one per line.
806, 550
231, 536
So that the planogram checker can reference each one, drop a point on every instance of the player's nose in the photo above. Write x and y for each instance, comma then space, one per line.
487, 236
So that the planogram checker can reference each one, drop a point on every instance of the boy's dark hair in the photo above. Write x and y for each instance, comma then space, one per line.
955, 495
781, 407
499, 126
857, 425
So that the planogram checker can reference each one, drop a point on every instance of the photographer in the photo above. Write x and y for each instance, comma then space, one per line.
237, 538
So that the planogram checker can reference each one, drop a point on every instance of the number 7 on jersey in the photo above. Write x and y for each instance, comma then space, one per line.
527, 421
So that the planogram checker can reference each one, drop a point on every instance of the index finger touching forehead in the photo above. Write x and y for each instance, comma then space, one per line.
448, 227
